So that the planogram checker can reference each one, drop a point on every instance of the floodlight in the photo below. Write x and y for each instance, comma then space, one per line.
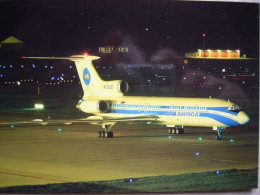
38, 106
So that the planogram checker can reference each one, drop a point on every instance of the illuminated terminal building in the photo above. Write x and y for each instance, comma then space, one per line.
215, 54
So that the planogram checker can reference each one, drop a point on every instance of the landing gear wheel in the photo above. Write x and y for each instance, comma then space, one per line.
110, 134
181, 131
176, 130
105, 134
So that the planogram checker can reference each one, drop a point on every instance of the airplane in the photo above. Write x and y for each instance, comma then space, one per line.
109, 105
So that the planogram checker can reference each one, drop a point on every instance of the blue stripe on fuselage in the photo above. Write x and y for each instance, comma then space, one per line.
173, 108
222, 119
222, 109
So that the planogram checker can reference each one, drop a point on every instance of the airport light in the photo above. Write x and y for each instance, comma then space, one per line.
169, 136
131, 180
231, 140
197, 153
217, 172
38, 106
200, 138
59, 129
12, 126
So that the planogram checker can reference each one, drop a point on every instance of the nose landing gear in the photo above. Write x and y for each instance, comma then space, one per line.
219, 130
219, 136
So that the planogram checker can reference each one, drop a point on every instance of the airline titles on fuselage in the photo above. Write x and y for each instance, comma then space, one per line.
160, 107
192, 114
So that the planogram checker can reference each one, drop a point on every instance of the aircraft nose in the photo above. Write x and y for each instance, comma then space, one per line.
243, 118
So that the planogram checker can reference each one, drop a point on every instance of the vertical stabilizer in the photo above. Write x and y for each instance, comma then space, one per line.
88, 75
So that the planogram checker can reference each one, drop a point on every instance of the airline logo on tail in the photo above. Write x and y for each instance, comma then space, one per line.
86, 76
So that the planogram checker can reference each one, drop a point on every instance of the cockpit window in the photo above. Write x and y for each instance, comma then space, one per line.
235, 108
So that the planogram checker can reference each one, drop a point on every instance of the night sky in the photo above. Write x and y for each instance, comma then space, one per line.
73, 25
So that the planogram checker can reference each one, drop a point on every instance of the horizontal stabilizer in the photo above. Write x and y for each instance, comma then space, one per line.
72, 58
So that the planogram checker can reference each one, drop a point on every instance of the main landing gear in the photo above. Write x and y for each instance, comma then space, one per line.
106, 133
176, 130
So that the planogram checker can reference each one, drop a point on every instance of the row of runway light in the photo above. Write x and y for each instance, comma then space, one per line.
27, 66
32, 81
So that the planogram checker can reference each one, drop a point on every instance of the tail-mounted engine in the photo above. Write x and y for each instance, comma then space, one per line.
94, 106
113, 88
123, 87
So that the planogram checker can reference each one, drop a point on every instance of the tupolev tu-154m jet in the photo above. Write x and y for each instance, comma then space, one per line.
107, 102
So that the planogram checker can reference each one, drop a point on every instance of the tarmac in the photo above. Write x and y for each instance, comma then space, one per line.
36, 154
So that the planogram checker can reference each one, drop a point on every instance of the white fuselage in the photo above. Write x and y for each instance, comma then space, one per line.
204, 112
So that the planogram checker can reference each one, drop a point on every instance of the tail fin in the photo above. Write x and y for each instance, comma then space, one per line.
89, 78
88, 75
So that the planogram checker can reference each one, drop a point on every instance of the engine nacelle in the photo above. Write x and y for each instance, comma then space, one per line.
116, 87
94, 106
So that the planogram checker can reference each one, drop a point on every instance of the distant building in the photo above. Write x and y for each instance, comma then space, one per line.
11, 44
215, 54
111, 49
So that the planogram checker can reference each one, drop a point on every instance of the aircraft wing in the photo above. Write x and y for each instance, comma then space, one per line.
92, 120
